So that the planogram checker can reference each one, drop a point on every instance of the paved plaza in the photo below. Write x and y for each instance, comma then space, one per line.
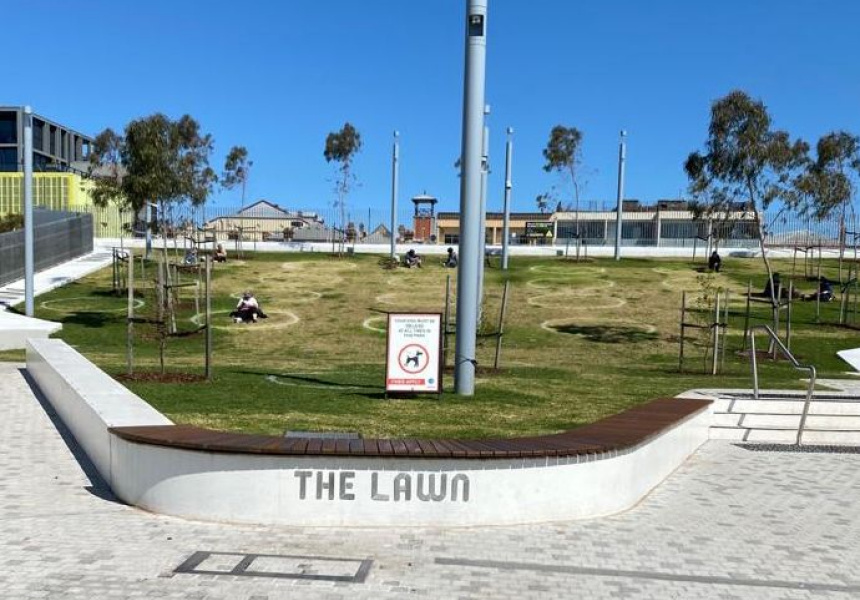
731, 523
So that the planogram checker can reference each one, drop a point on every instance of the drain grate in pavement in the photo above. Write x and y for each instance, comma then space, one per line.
805, 448
318, 568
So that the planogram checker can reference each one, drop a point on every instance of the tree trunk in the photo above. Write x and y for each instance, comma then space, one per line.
773, 293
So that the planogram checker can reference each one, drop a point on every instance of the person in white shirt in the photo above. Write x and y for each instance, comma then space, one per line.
248, 309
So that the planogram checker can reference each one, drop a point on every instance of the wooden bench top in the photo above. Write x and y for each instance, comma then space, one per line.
619, 432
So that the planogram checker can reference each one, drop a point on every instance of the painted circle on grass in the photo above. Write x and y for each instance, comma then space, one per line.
278, 319
554, 325
291, 295
546, 283
576, 302
369, 321
281, 380
571, 270
85, 303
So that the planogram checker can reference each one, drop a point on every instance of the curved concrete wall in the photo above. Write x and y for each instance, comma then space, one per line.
88, 400
344, 491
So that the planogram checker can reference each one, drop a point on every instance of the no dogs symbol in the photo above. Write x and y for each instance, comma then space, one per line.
413, 358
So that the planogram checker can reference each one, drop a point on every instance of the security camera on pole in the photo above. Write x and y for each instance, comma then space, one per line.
471, 255
506, 225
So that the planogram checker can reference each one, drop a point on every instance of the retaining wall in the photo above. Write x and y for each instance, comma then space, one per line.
248, 485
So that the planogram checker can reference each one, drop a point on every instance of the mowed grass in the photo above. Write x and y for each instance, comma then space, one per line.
582, 341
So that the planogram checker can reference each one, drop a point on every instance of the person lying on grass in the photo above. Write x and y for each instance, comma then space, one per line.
248, 310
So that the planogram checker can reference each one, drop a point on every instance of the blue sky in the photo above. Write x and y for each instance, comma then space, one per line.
277, 76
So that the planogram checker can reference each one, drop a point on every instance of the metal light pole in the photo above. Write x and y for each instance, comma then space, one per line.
395, 166
506, 224
29, 256
482, 237
470, 197
622, 156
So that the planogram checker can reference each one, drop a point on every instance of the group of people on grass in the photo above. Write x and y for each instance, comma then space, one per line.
413, 260
219, 256
824, 293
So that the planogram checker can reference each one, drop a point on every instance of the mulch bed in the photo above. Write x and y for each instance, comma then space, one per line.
155, 377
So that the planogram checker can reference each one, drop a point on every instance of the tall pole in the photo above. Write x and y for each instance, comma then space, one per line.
622, 156
395, 166
29, 254
506, 224
482, 237
470, 197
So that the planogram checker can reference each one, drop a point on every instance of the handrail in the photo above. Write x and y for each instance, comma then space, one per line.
794, 362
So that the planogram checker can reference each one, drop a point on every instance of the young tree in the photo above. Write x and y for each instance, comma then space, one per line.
237, 168
341, 148
746, 161
563, 154
829, 183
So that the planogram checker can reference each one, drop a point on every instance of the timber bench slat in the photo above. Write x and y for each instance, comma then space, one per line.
617, 432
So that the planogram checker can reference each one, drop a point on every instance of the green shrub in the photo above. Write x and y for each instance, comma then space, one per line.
11, 223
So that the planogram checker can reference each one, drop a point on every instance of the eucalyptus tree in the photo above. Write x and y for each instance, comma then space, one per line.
829, 183
341, 147
237, 169
746, 162
563, 155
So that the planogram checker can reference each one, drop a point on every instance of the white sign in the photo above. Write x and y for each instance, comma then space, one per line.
414, 351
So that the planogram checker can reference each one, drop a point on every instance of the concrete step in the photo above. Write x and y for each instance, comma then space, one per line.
833, 423
725, 420
768, 407
831, 438
754, 421
772, 435
848, 409
727, 433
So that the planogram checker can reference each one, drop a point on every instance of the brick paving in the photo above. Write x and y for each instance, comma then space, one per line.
730, 523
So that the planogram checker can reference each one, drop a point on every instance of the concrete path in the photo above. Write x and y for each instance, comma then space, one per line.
731, 523
16, 329
12, 294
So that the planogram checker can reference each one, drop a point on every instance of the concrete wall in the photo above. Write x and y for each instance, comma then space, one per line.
360, 491
87, 399
341, 491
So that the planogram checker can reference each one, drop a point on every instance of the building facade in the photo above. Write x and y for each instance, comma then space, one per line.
56, 148
60, 157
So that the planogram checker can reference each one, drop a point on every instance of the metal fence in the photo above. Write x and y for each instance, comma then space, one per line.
666, 229
58, 237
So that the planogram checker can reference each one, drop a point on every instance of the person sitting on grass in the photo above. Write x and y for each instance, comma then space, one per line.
824, 293
715, 262
451, 261
191, 257
220, 254
248, 310
412, 259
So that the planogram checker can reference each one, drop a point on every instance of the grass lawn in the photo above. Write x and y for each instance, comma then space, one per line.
583, 341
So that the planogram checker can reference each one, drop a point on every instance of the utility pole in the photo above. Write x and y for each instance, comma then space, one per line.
506, 224
395, 166
29, 238
622, 156
470, 197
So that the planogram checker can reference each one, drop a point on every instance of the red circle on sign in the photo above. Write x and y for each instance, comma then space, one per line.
418, 352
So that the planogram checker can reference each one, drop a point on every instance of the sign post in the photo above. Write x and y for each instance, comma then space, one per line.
413, 357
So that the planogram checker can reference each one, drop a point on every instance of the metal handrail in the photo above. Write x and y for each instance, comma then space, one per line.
787, 353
